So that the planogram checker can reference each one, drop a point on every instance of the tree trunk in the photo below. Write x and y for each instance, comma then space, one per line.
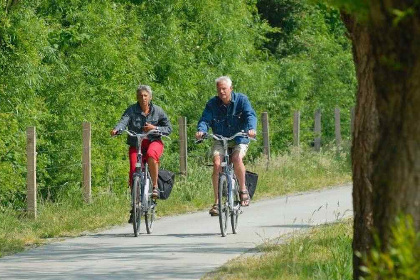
386, 142
396, 176
365, 136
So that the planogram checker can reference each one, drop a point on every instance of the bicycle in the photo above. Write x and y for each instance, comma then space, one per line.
142, 202
228, 187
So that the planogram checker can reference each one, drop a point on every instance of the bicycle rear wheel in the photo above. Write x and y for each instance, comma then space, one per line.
135, 198
234, 216
223, 204
149, 216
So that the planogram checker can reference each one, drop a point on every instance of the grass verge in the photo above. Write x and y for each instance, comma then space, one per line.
286, 173
323, 252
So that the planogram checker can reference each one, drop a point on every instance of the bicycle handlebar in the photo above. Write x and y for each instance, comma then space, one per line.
223, 138
143, 135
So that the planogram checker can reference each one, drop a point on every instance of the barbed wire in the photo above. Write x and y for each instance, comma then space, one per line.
49, 151
59, 132
63, 166
49, 187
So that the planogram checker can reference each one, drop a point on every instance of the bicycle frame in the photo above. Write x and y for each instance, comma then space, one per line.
230, 206
227, 169
143, 173
142, 203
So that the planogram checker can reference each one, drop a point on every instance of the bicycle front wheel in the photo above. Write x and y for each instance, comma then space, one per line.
149, 216
223, 204
136, 205
234, 216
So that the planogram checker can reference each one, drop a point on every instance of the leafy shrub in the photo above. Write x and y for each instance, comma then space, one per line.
65, 62
401, 259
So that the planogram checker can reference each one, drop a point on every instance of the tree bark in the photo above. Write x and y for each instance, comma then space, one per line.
386, 142
396, 176
365, 136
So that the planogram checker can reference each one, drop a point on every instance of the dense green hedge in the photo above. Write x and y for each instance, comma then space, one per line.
63, 62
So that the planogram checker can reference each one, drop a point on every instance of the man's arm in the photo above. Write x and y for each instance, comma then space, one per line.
206, 119
250, 115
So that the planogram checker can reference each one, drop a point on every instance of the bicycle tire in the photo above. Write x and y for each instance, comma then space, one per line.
136, 205
234, 216
149, 214
223, 204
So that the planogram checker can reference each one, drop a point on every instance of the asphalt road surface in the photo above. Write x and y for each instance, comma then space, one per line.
180, 247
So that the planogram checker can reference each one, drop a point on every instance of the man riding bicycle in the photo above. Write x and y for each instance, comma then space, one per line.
228, 113
142, 117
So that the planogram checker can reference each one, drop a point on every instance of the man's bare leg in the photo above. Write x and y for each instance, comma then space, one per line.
239, 169
215, 177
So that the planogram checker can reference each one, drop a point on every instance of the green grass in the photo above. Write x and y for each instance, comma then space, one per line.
297, 172
287, 173
321, 253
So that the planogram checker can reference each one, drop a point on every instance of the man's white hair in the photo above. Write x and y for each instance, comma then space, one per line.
224, 79
145, 88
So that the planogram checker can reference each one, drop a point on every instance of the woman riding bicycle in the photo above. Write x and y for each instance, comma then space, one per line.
228, 113
142, 117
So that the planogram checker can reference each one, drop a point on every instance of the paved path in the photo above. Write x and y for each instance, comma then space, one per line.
185, 246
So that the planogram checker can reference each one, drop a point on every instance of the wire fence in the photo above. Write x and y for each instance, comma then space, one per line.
72, 159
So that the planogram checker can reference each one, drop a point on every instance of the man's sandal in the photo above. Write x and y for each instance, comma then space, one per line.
244, 201
214, 210
155, 193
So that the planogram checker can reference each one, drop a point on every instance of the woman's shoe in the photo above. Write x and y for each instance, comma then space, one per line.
214, 210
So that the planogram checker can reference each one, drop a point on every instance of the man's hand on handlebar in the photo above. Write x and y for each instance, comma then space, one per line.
252, 133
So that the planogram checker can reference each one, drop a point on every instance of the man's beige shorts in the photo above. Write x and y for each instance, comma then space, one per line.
217, 149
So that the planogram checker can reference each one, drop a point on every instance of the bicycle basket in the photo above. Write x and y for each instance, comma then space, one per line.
166, 180
251, 180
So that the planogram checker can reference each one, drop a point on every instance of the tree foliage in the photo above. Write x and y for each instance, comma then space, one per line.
64, 62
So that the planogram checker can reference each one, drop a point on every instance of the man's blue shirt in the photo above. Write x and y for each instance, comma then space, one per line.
226, 120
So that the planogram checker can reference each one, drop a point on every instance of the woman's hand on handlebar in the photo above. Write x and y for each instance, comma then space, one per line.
147, 127
114, 132
199, 135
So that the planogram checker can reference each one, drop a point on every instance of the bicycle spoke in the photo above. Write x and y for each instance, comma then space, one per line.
136, 205
236, 206
223, 204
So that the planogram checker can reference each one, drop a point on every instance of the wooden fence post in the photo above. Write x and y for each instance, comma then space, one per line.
296, 128
317, 131
31, 172
266, 135
182, 121
337, 127
86, 163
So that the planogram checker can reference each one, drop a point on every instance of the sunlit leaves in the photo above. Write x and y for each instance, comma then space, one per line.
64, 62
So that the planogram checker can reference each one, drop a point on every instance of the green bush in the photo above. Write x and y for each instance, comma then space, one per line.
401, 259
65, 62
